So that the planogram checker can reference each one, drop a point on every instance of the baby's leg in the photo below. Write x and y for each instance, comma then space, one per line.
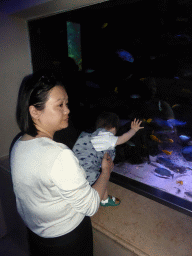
105, 195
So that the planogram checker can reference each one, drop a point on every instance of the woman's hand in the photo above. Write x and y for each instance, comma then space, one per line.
107, 163
135, 125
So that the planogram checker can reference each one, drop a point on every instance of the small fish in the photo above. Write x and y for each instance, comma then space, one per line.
176, 105
178, 190
172, 166
167, 152
135, 96
170, 140
153, 137
175, 122
92, 84
183, 36
169, 123
142, 79
188, 194
165, 161
186, 90
124, 55
116, 90
162, 123
179, 182
89, 70
104, 25
165, 132
149, 120
163, 173
187, 150
184, 137
131, 144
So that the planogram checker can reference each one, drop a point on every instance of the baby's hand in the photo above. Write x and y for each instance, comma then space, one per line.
135, 125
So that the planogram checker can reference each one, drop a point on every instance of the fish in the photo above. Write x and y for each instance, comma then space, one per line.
187, 153
175, 122
104, 25
170, 140
183, 36
176, 105
169, 164
184, 137
161, 122
179, 182
165, 132
92, 84
131, 144
153, 137
149, 120
187, 150
142, 79
135, 96
188, 194
178, 190
163, 173
186, 90
124, 55
169, 123
89, 70
167, 152
116, 90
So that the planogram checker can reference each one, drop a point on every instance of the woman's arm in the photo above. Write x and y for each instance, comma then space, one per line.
102, 182
135, 126
72, 185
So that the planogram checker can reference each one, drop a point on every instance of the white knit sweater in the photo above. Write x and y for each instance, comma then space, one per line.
52, 193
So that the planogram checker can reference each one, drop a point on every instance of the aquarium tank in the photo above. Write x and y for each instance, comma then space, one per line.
135, 59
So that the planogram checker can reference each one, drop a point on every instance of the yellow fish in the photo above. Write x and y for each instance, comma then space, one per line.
186, 90
176, 105
167, 152
104, 25
153, 137
149, 120
142, 79
170, 140
180, 182
116, 90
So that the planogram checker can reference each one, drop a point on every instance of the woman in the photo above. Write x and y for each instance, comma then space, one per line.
53, 197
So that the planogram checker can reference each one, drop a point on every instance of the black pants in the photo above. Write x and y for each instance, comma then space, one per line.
78, 242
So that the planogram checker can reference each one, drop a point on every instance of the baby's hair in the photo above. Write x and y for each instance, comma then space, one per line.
107, 120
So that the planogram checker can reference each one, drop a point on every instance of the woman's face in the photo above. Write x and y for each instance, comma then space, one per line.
55, 115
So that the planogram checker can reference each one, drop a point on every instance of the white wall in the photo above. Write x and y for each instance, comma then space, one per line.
15, 61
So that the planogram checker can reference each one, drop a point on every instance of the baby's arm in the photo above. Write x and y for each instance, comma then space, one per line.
135, 126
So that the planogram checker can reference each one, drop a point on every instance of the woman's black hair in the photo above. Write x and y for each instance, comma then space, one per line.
34, 90
107, 120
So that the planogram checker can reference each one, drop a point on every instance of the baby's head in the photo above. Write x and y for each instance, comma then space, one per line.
108, 121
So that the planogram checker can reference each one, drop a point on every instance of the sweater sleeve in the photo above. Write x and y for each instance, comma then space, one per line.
70, 179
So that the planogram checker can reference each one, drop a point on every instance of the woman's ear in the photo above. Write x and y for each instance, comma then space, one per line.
35, 114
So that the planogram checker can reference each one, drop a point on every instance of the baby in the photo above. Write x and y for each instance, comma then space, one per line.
91, 147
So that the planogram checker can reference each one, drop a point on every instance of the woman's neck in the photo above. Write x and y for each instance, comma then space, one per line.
43, 133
